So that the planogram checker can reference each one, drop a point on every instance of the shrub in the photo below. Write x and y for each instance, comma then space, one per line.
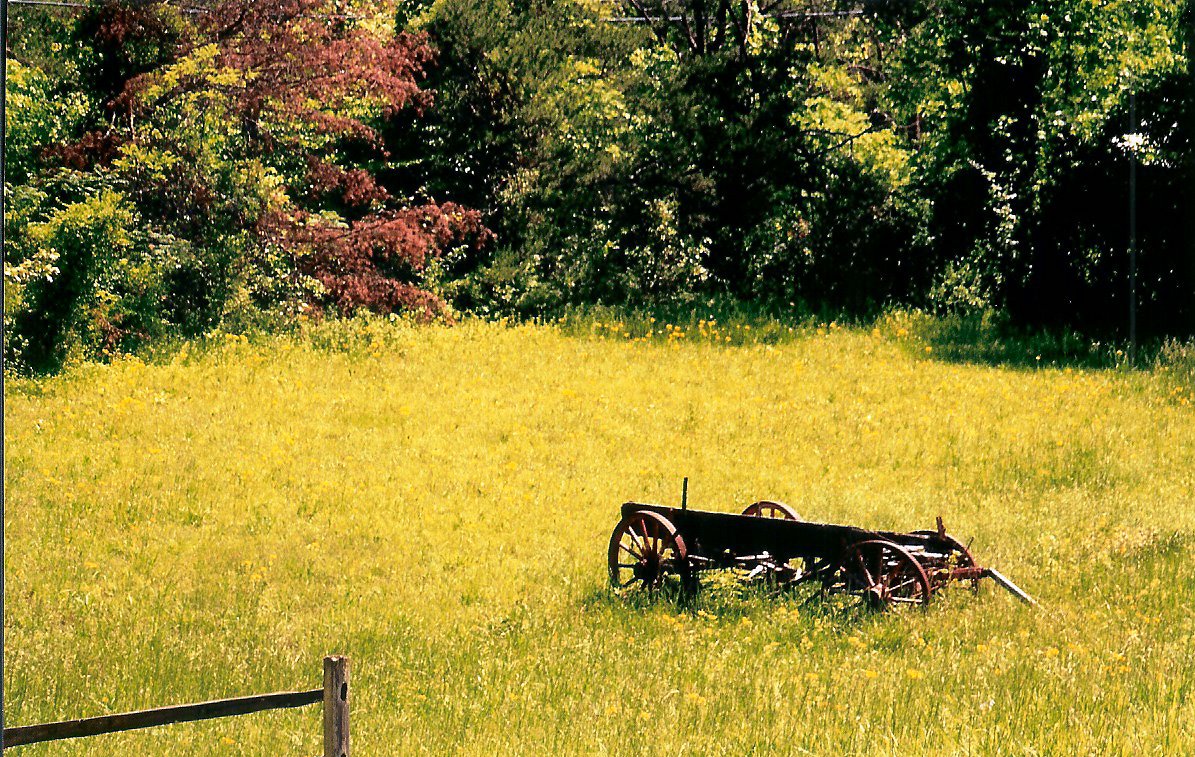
89, 282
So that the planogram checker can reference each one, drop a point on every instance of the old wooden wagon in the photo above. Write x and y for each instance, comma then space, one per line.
768, 540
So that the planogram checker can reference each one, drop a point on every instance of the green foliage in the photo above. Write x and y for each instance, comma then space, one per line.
533, 124
114, 42
1023, 139
928, 154
194, 169
177, 172
89, 282
36, 115
627, 166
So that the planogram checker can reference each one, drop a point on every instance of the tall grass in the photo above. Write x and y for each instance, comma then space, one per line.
435, 502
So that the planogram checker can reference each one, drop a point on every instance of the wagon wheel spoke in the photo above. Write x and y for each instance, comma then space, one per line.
618, 581
634, 537
630, 542
908, 591
905, 581
902, 585
868, 580
653, 531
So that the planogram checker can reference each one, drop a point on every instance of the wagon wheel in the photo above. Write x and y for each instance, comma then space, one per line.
644, 548
883, 574
958, 557
766, 508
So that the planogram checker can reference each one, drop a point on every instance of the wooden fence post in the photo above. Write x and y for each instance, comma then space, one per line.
336, 707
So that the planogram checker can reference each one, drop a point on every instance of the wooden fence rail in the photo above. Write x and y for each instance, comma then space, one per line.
334, 695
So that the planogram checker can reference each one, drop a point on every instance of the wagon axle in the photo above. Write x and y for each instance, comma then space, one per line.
768, 540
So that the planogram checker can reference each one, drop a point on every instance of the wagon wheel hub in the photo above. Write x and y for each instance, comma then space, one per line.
876, 597
647, 568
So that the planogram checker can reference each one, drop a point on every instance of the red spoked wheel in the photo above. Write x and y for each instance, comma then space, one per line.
766, 508
882, 574
645, 548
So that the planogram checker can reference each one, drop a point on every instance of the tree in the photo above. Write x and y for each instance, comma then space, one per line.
297, 81
722, 151
245, 143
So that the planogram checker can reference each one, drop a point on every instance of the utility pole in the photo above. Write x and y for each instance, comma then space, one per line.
3, 208
1133, 144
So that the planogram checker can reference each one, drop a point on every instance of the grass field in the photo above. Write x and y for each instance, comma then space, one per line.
435, 503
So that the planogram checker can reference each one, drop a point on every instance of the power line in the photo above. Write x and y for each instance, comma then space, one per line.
68, 4
616, 20
781, 14
182, 9
54, 3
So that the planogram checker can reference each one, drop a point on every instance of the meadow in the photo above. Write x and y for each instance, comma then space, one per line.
435, 502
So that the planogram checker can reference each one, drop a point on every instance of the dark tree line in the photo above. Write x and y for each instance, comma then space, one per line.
946, 155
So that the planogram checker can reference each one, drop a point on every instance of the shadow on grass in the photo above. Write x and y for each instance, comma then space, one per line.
989, 339
1156, 545
983, 338
725, 597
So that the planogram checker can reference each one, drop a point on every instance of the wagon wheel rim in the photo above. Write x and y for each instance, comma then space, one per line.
644, 549
884, 574
766, 508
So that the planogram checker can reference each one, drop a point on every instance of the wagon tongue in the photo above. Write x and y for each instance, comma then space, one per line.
1012, 588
